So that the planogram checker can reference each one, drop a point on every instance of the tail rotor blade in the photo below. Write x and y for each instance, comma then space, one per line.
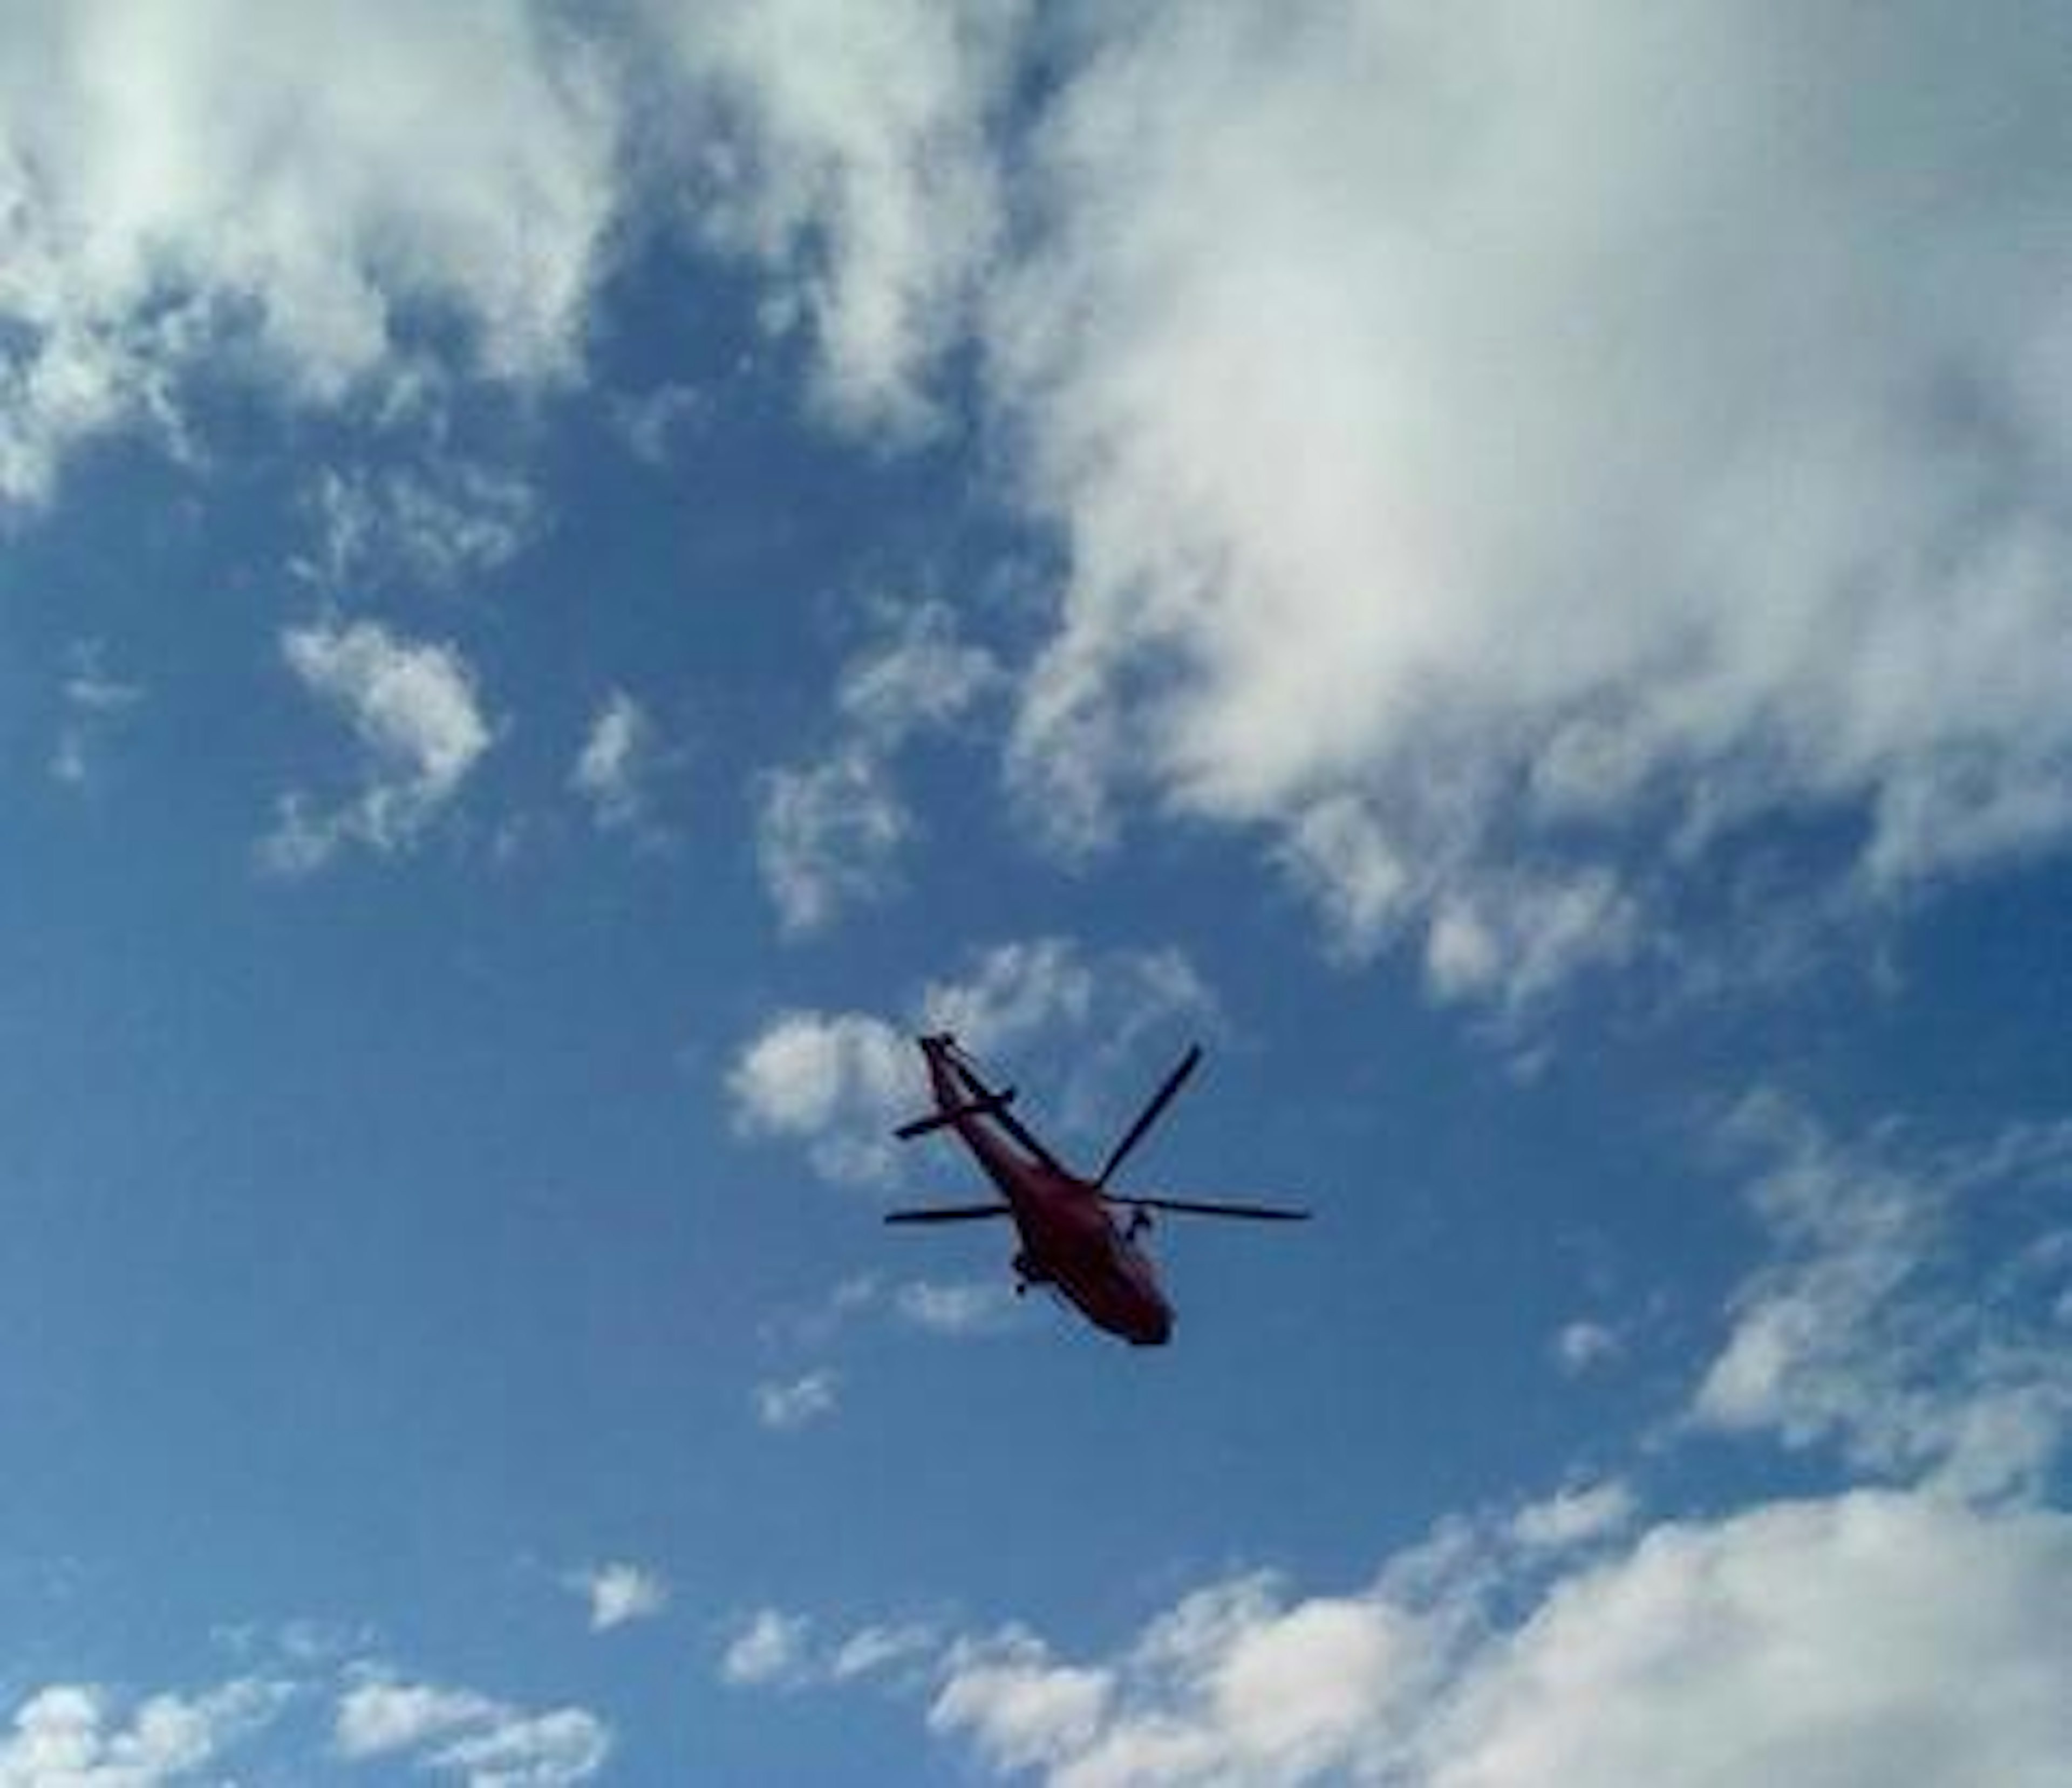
1150, 1114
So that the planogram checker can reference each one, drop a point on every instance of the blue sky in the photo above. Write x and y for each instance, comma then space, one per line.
570, 577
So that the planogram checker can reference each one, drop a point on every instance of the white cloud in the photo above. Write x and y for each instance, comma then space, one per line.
837, 1081
649, 422
769, 1651
830, 831
290, 193
439, 523
614, 772
94, 703
840, 1081
1584, 1345
1869, 1323
542, 1750
620, 1594
1482, 449
1872, 1638
827, 836
788, 1404
82, 1736
918, 675
1914, 1631
414, 708
954, 1307
774, 1650
881, 1650
1576, 1517
1022, 1709
845, 149
378, 1716
458, 1731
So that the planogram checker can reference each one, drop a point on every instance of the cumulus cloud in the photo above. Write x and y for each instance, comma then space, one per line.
838, 1082
1911, 1629
290, 195
832, 1080
83, 1736
1726, 1652
1491, 454
414, 711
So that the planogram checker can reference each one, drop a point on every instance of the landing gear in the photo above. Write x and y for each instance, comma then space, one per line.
1027, 1273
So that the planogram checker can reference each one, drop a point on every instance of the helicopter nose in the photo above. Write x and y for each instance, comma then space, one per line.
1154, 1326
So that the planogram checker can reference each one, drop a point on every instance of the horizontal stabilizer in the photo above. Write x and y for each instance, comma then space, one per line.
1211, 1207
989, 1105
948, 1214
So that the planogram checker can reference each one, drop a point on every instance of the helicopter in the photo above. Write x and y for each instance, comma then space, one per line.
1070, 1240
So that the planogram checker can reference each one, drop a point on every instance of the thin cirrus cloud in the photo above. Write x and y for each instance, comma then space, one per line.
420, 727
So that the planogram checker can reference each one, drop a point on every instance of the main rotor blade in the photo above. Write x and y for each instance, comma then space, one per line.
1213, 1207
948, 1213
1150, 1114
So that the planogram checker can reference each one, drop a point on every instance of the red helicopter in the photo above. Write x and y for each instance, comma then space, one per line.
1070, 1238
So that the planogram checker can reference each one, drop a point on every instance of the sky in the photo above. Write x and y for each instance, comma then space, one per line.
572, 576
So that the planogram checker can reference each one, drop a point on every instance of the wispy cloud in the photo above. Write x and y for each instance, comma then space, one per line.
96, 702
787, 1404
1867, 1325
830, 830
955, 1307
620, 1594
614, 773
769, 1651
772, 1648
1586, 1345
440, 1730
416, 715
437, 525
